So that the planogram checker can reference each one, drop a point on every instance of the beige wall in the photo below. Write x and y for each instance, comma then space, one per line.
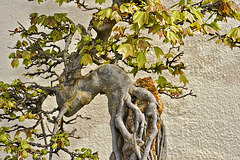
202, 128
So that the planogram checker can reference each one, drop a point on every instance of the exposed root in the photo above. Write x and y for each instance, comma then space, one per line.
137, 132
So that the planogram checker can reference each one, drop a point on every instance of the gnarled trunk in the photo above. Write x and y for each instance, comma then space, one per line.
137, 130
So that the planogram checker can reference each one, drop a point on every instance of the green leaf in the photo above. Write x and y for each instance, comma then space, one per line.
196, 25
172, 37
24, 154
99, 47
32, 29
35, 156
41, 19
56, 35
21, 118
143, 45
57, 17
24, 43
73, 28
79, 30
26, 55
141, 60
234, 33
162, 81
188, 16
86, 59
12, 55
183, 79
19, 44
54, 146
197, 13
140, 18
27, 62
83, 149
39, 1
167, 18
43, 152
126, 50
87, 38
125, 7
215, 26
26, 146
105, 13
33, 15
100, 1
134, 71
15, 63
13, 116
190, 31
229, 34
170, 70
135, 28
59, 1
228, 42
154, 29
116, 16
208, 29
176, 15
182, 2
158, 51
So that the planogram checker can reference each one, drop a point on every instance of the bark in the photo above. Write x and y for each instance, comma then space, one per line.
137, 130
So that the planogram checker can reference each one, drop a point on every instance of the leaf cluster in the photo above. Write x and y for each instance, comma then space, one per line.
21, 102
38, 48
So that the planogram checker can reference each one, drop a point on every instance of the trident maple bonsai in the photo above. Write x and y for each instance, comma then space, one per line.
137, 129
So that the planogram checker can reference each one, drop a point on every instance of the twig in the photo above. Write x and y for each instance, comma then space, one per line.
69, 121
178, 97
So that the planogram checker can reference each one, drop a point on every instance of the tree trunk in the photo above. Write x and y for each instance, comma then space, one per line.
137, 130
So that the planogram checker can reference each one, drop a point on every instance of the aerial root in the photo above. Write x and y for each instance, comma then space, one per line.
144, 94
138, 128
162, 143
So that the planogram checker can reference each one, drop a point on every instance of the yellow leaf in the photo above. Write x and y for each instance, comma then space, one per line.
197, 13
141, 60
86, 59
116, 16
15, 63
126, 50
140, 18
236, 34
197, 26
209, 30
158, 52
105, 13
190, 31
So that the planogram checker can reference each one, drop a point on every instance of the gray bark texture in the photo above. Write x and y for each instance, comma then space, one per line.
137, 130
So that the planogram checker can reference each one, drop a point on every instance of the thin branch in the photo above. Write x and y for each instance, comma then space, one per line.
22, 128
71, 120
43, 130
86, 6
173, 96
169, 63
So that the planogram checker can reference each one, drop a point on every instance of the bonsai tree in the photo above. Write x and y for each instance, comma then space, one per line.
124, 34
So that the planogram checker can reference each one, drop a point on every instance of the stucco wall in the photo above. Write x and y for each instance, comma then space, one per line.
206, 127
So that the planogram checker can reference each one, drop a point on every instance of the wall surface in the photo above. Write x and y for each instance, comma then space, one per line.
202, 128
